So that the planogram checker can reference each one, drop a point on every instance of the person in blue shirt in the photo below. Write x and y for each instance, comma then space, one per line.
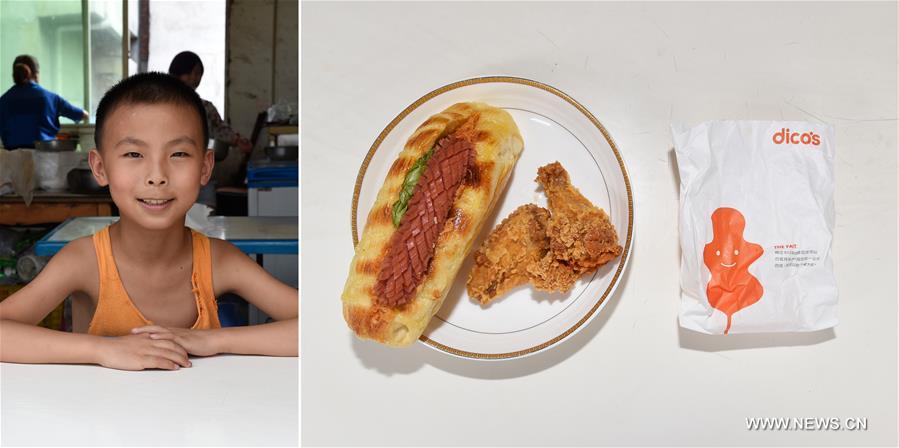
30, 113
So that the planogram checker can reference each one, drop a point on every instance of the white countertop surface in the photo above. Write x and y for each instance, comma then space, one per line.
220, 401
632, 377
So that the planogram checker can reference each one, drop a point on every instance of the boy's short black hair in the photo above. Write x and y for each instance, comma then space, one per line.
149, 88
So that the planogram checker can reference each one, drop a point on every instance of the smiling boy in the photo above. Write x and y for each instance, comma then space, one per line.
148, 281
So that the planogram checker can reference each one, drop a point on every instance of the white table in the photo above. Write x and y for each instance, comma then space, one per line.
220, 401
632, 377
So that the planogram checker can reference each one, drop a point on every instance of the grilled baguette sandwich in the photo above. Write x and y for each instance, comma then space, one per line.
432, 205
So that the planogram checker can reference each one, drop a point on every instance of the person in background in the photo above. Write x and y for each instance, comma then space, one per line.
188, 67
29, 112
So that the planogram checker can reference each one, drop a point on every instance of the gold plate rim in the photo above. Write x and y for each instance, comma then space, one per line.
630, 205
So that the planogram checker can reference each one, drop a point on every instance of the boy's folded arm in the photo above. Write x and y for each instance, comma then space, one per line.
20, 339
24, 343
271, 339
64, 274
233, 271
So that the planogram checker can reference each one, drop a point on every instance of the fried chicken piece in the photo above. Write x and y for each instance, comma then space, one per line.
551, 249
551, 275
512, 248
581, 235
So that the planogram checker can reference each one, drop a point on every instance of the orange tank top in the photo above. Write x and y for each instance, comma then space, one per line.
116, 314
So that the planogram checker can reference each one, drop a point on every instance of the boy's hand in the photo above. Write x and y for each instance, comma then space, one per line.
140, 351
196, 342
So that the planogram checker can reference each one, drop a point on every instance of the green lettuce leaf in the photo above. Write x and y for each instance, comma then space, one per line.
409, 182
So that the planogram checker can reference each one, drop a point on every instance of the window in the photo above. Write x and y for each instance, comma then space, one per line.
173, 27
106, 55
81, 67
53, 32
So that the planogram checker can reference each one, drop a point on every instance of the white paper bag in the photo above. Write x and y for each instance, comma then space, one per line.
756, 226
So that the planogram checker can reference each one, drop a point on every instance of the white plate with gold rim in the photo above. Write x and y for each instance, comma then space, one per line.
554, 127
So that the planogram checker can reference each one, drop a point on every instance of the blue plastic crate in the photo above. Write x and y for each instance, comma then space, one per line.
272, 174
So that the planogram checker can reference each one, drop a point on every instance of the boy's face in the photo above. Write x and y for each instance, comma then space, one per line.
154, 160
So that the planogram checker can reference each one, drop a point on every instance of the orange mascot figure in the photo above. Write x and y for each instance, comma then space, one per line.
728, 257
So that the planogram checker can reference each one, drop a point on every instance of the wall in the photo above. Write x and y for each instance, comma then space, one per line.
262, 69
196, 26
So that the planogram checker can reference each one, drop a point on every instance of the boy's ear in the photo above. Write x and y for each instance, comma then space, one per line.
96, 163
208, 164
